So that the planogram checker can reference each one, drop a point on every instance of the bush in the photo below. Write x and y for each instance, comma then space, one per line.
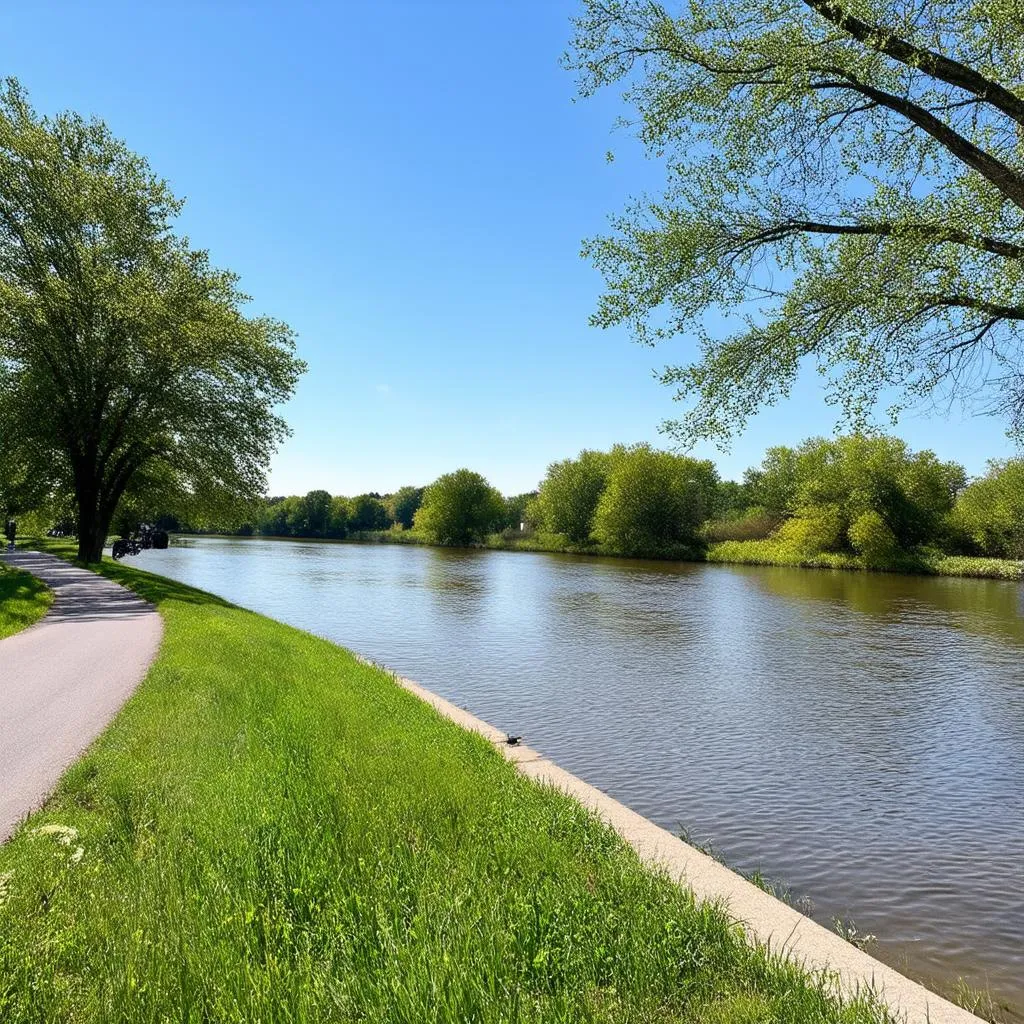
872, 539
990, 512
818, 530
757, 524
568, 496
459, 508
653, 501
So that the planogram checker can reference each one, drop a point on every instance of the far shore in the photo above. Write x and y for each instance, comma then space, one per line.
763, 553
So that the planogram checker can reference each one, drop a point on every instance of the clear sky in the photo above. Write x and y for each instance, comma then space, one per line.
406, 183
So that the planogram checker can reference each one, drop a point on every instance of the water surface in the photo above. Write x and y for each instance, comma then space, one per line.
858, 737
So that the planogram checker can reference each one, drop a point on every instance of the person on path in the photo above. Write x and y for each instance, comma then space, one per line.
12, 531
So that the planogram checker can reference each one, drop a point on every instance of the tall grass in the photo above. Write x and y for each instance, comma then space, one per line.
273, 831
23, 600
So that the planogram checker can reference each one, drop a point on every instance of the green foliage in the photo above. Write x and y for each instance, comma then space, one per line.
753, 524
774, 484
653, 500
459, 508
569, 493
274, 831
820, 529
367, 512
846, 178
515, 509
872, 539
127, 364
403, 504
829, 485
315, 514
990, 512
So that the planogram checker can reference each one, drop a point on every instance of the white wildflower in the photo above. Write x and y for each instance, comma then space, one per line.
64, 834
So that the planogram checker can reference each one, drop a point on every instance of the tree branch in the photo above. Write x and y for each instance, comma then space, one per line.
1004, 178
928, 232
936, 65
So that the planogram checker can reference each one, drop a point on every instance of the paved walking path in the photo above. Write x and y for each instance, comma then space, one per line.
63, 679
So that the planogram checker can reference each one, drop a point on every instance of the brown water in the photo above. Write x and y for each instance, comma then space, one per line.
858, 737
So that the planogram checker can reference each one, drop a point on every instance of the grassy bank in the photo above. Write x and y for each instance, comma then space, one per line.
273, 831
23, 600
771, 552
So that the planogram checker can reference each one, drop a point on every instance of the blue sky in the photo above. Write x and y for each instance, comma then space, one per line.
407, 185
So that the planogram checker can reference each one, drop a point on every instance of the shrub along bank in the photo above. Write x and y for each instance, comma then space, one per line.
271, 830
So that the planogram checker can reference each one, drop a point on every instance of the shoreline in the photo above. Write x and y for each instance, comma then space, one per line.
1002, 570
766, 920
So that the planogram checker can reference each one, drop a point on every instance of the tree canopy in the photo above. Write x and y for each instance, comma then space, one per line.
459, 508
844, 177
128, 366
653, 500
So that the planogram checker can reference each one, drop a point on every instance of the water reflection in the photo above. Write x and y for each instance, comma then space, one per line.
859, 736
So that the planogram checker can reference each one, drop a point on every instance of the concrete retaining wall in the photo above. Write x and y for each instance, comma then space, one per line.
764, 918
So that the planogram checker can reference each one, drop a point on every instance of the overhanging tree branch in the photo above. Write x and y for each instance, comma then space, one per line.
923, 231
1004, 178
936, 65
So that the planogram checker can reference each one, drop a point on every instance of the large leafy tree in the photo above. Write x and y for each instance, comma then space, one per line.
127, 363
845, 177
653, 500
569, 494
459, 508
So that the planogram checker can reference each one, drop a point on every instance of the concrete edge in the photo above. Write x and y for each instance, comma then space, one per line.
765, 919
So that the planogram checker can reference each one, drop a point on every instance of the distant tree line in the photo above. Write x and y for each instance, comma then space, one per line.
865, 496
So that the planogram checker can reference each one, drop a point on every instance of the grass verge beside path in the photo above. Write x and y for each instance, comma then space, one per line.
23, 600
273, 831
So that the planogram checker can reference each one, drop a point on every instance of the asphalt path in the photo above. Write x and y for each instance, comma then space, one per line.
63, 679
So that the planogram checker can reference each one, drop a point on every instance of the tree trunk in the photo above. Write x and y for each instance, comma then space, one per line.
92, 530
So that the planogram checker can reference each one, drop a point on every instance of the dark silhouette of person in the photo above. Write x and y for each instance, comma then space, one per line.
11, 530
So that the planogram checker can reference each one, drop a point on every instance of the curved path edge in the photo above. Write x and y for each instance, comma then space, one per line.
63, 679
765, 919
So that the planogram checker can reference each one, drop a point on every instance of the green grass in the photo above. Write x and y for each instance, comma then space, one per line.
23, 600
273, 831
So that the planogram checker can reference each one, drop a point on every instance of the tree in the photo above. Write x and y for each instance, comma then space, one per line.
569, 494
654, 500
871, 494
773, 485
338, 525
126, 363
846, 175
459, 508
367, 512
404, 503
315, 511
991, 510
515, 509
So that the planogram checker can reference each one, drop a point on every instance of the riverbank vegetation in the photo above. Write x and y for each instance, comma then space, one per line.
272, 830
853, 502
23, 600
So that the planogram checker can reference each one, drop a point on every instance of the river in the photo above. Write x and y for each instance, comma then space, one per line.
857, 737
